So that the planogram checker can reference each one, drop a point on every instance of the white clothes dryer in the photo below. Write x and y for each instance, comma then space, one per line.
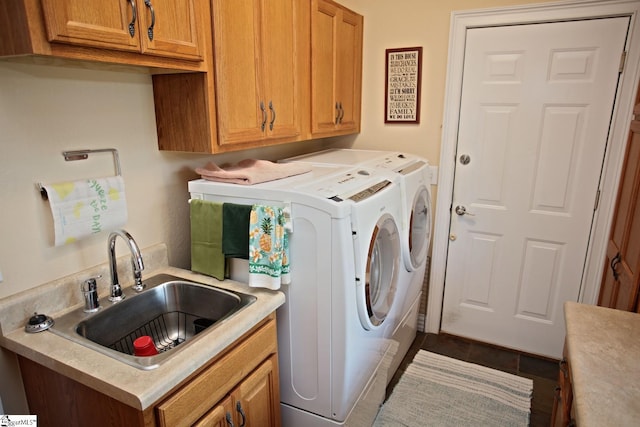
415, 181
334, 327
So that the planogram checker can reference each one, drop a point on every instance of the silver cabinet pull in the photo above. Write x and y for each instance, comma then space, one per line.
461, 210
134, 16
153, 19
264, 116
273, 115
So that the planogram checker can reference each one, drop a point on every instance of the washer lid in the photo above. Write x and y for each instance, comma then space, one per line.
356, 184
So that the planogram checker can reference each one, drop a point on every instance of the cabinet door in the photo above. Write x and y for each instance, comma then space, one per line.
239, 91
220, 416
349, 70
336, 69
324, 24
279, 37
257, 398
169, 28
619, 287
97, 23
256, 86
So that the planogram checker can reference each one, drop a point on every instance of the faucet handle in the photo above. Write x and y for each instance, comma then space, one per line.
89, 290
89, 285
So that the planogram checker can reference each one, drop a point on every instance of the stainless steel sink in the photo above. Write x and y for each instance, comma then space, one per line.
171, 310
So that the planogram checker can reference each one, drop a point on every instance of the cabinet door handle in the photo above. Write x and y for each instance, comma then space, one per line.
341, 113
264, 116
134, 16
241, 412
562, 365
153, 19
273, 115
229, 420
614, 264
337, 113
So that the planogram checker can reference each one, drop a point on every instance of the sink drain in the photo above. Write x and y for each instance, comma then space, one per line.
38, 323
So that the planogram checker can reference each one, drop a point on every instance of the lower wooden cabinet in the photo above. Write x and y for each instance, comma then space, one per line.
239, 387
620, 284
563, 400
253, 403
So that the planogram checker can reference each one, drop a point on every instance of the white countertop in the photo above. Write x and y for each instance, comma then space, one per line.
604, 357
132, 386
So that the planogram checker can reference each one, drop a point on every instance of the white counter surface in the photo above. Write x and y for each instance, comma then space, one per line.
132, 386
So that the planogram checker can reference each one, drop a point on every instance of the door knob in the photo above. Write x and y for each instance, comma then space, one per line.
461, 210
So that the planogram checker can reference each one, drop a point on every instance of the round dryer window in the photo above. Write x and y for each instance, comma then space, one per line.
382, 269
420, 228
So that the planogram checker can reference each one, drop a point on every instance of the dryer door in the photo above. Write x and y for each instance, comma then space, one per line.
419, 229
381, 274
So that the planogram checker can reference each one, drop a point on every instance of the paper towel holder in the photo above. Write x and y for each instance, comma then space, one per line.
83, 155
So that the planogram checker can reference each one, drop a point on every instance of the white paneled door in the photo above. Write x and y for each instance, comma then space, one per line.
536, 106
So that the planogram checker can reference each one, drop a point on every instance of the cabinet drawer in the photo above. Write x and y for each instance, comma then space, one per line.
197, 397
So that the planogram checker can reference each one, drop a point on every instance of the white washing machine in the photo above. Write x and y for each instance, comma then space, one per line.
415, 181
345, 257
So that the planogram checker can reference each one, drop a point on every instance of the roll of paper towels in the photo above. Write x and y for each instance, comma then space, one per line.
82, 208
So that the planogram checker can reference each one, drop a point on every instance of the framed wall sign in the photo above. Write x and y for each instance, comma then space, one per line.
402, 85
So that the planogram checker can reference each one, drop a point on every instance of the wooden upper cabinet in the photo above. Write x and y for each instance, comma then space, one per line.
336, 69
156, 27
161, 35
257, 73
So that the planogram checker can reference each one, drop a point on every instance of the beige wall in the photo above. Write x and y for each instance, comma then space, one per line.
46, 109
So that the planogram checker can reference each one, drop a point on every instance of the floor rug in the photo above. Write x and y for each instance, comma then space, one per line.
436, 390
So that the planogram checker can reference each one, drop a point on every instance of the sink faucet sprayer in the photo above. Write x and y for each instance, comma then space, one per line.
136, 263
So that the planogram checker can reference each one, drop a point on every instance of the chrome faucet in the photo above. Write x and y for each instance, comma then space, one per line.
136, 264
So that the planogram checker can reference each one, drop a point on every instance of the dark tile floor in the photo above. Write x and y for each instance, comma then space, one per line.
543, 372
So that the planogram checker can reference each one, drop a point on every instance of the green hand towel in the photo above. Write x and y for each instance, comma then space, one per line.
235, 230
206, 238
